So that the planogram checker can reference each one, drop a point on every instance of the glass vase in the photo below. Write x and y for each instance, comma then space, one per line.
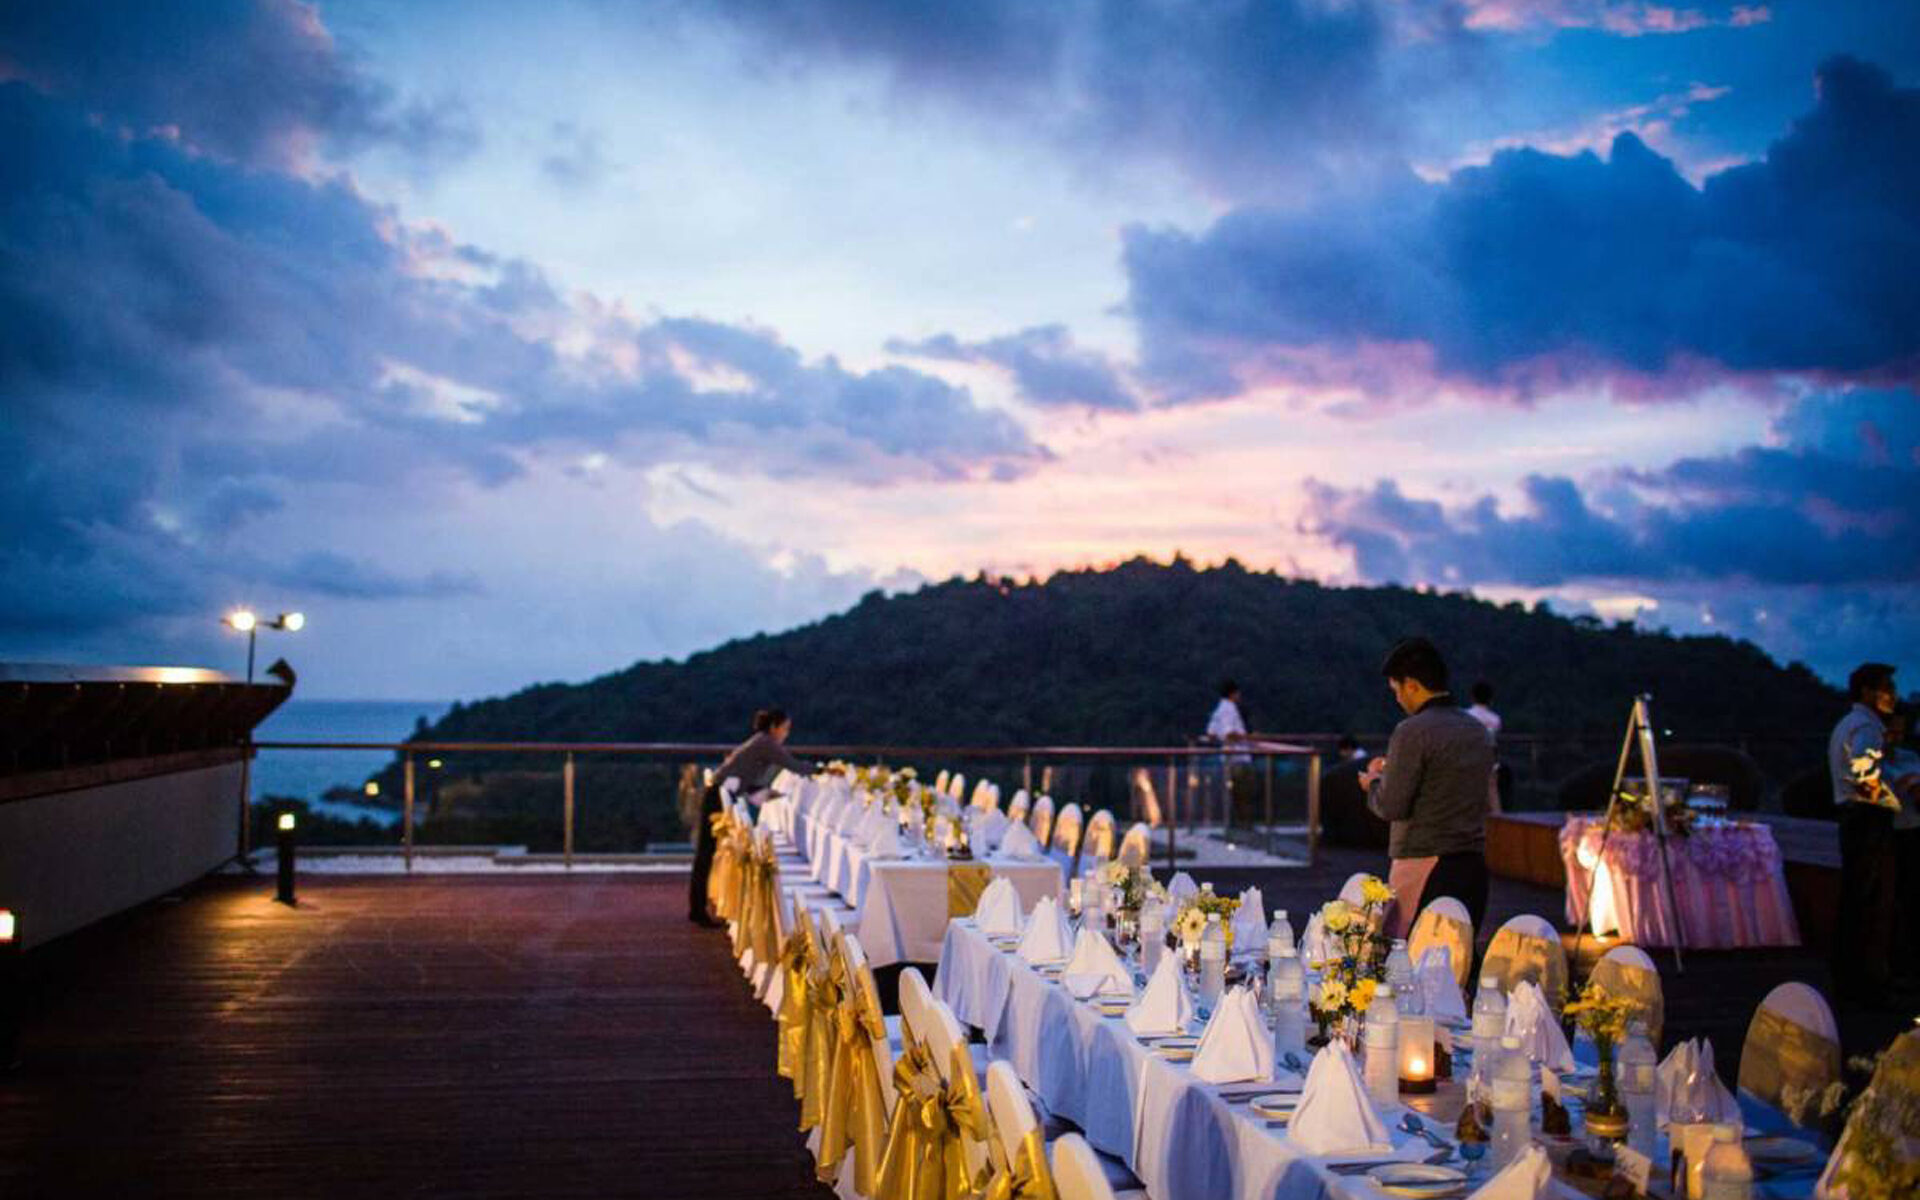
1606, 1116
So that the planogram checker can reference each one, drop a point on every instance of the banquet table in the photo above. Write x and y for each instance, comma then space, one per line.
1728, 886
900, 904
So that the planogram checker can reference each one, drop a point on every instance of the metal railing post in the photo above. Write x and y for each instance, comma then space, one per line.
1268, 840
406, 811
566, 809
1026, 774
1313, 808
1173, 809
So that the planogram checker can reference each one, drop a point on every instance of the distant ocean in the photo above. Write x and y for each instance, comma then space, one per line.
307, 774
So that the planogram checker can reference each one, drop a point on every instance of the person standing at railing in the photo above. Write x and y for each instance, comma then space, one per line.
1863, 944
1432, 787
1227, 727
753, 763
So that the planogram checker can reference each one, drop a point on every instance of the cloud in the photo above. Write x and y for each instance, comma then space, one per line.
1537, 270
255, 81
1246, 94
1045, 364
1625, 18
1835, 503
188, 343
574, 158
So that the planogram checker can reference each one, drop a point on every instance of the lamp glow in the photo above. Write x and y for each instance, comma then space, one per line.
373, 787
433, 764
286, 821
242, 619
1416, 1054
293, 622
6, 925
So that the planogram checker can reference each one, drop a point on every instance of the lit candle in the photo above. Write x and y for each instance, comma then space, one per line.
1416, 1055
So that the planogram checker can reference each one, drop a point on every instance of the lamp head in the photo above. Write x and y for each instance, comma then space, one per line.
286, 822
8, 927
292, 622
242, 619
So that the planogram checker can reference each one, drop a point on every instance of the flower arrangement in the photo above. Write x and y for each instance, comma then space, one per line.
1604, 1016
1133, 883
1633, 813
1349, 980
1191, 921
1876, 1153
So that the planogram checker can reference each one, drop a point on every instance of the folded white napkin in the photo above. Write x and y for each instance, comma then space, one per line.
1530, 1020
1687, 1080
1018, 842
1335, 1116
1236, 1044
1047, 938
1315, 945
1527, 1177
885, 842
1094, 967
1165, 1007
988, 827
1439, 987
850, 818
999, 908
1250, 924
1181, 888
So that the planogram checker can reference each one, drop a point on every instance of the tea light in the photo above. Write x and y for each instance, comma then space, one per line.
1416, 1055
1076, 893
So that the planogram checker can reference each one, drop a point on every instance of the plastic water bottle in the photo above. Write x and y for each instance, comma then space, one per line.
1489, 1023
1727, 1174
1636, 1065
1400, 976
1213, 962
1153, 935
1279, 934
1512, 1075
1287, 997
1383, 1047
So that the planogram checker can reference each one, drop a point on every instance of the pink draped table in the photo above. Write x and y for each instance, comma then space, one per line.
1727, 884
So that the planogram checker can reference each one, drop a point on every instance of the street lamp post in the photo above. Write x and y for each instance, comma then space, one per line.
244, 620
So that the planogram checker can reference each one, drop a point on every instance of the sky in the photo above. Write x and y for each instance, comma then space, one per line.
514, 342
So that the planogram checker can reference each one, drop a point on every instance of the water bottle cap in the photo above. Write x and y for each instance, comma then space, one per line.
1509, 1041
1287, 952
1213, 918
1279, 914
1488, 981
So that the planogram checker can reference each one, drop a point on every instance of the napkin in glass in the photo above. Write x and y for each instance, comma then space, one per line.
1019, 842
1181, 888
1165, 1007
885, 842
1439, 987
1095, 968
1047, 938
1250, 924
999, 908
1527, 1177
1335, 1115
1315, 945
1530, 1020
1236, 1044
1687, 1084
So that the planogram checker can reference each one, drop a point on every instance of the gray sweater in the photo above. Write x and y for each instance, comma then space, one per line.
1434, 789
756, 761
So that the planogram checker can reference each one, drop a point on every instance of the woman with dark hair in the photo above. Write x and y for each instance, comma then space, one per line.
753, 763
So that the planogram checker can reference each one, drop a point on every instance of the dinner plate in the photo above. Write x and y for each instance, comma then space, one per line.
1112, 1005
1174, 1053
1275, 1106
1780, 1150
1419, 1180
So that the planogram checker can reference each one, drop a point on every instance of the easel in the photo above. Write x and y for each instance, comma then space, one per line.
1639, 728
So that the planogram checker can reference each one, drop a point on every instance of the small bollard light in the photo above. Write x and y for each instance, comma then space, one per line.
11, 955
285, 854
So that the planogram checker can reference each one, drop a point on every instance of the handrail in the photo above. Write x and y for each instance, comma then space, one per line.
857, 750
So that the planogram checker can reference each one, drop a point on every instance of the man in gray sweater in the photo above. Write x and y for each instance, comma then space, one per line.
1433, 786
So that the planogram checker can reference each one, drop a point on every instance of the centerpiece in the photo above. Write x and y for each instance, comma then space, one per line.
1604, 1016
1358, 967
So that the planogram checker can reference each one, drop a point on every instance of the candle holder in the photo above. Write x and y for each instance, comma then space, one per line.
1416, 1056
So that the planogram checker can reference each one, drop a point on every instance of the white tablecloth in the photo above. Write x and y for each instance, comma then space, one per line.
900, 905
1179, 1135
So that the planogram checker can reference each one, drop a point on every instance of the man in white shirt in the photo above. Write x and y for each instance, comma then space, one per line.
1228, 728
1482, 709
1863, 945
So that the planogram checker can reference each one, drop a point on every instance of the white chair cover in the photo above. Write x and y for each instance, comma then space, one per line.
1076, 1170
1019, 806
1528, 947
1792, 1042
1445, 922
1137, 845
1041, 820
1100, 835
957, 786
1351, 891
1628, 971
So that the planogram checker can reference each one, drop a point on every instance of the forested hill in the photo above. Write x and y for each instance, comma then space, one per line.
1132, 655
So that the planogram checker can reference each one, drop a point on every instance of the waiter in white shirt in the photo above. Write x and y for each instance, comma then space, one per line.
1227, 727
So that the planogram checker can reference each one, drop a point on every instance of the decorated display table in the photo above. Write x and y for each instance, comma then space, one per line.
1728, 885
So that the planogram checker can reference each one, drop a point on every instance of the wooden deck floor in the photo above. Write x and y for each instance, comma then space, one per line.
470, 1036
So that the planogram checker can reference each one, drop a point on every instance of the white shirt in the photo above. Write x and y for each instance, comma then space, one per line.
1226, 720
1487, 717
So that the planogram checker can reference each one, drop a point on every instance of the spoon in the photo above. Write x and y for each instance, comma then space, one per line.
1413, 1124
1293, 1063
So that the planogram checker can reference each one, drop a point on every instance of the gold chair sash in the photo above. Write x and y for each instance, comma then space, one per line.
823, 1001
1639, 985
1513, 957
760, 896
795, 963
965, 882
926, 1154
1780, 1053
856, 1114
1027, 1177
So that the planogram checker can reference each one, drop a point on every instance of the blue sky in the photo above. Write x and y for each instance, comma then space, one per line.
517, 342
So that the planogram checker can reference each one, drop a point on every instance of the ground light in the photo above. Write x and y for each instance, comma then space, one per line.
12, 982
285, 833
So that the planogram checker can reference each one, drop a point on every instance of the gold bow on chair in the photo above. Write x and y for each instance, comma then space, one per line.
1027, 1177
796, 963
965, 882
1780, 1053
823, 1000
759, 891
933, 1122
856, 1113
